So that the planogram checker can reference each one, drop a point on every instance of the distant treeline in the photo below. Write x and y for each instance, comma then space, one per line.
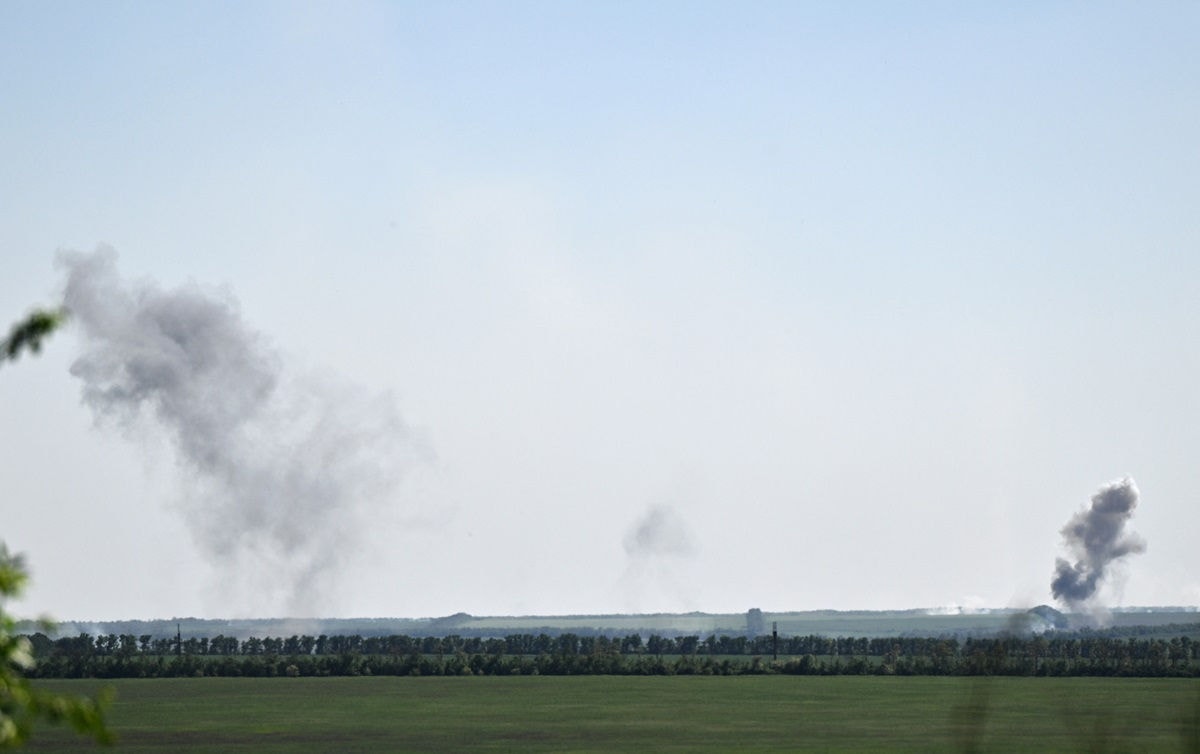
129, 656
1162, 622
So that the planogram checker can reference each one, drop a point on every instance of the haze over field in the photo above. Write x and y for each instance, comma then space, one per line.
412, 309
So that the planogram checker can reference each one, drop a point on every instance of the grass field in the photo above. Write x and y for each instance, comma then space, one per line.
605, 713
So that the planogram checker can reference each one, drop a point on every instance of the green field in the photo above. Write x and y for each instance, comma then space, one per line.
606, 713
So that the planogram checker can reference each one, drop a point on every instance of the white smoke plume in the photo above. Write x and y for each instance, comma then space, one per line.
284, 469
1097, 538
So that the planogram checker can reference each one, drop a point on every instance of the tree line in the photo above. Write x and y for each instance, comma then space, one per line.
129, 656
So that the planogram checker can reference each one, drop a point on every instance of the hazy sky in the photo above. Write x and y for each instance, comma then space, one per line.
686, 306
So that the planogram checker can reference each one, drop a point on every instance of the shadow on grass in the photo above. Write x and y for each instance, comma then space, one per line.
1090, 727
1189, 726
969, 717
1096, 730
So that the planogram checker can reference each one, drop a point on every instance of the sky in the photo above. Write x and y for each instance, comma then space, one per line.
675, 306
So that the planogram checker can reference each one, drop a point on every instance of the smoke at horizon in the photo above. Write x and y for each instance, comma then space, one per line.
1096, 537
656, 544
285, 468
661, 531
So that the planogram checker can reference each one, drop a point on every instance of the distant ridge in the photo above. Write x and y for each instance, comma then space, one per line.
1054, 618
857, 623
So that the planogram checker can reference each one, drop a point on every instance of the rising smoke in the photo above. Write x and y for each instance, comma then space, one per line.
284, 468
660, 532
657, 545
1097, 538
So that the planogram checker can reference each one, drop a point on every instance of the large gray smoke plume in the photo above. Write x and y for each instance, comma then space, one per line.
284, 468
1096, 537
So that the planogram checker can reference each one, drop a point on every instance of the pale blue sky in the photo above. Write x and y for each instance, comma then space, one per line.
872, 295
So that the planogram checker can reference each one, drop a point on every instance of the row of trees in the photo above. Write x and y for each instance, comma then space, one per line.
1066, 646
145, 656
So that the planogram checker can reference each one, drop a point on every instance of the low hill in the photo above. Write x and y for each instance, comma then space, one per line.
858, 623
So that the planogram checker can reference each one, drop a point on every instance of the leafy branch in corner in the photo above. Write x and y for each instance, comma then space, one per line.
21, 705
29, 333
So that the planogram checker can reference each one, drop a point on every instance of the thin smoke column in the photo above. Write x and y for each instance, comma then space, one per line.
1097, 538
285, 469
